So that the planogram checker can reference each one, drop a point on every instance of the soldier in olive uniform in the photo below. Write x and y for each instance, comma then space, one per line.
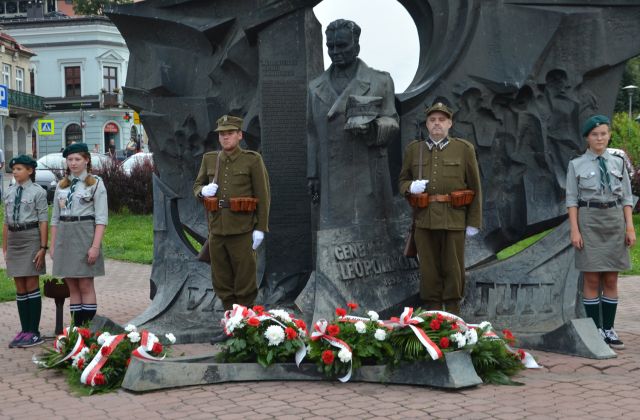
234, 235
448, 164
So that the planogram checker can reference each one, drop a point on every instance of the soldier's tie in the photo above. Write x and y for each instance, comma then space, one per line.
604, 174
16, 205
72, 189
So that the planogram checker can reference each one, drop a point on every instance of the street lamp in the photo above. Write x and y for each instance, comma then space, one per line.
630, 90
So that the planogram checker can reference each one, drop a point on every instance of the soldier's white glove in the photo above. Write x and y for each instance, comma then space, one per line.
209, 190
418, 187
258, 236
472, 231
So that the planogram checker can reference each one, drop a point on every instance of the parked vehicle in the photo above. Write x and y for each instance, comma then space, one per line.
135, 160
51, 169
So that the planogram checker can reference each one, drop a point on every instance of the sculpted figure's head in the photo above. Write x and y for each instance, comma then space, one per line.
343, 45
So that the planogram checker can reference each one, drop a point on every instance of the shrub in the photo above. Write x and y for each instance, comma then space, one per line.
134, 191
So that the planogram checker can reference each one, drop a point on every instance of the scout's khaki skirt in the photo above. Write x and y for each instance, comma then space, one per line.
22, 247
73, 240
603, 234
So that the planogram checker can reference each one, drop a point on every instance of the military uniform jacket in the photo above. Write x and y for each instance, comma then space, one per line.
241, 174
449, 166
33, 204
583, 180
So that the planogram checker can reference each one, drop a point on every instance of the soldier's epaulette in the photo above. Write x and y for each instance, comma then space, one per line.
252, 152
213, 153
415, 142
463, 141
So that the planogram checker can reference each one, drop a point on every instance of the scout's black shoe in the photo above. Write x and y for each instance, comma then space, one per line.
611, 338
220, 338
30, 340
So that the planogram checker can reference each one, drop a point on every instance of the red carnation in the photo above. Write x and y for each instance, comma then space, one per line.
259, 309
245, 311
341, 311
157, 348
444, 342
80, 363
327, 357
106, 350
440, 317
85, 333
521, 354
300, 324
99, 379
508, 335
253, 322
435, 324
333, 330
454, 326
352, 305
290, 333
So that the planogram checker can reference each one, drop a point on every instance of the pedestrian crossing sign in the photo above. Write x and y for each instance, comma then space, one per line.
46, 127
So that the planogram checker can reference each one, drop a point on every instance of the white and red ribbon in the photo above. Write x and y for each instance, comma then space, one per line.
89, 373
320, 332
407, 320
146, 345
77, 347
528, 361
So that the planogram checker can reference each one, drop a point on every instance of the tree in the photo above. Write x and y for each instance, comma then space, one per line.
625, 135
631, 76
95, 7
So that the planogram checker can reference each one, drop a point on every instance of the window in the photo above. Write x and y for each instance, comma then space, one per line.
6, 75
72, 81
32, 81
22, 6
12, 7
20, 79
72, 134
110, 78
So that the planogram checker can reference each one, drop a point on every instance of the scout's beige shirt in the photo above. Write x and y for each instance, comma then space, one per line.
85, 201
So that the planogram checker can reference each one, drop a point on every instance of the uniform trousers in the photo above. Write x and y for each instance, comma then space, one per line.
441, 254
233, 269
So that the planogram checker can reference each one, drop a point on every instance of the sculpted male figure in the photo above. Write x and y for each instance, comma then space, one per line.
351, 118
446, 169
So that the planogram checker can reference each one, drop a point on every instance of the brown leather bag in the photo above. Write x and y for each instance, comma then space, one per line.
243, 204
462, 198
419, 201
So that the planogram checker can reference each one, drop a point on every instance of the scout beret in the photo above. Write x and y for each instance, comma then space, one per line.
75, 148
229, 122
23, 160
593, 122
440, 107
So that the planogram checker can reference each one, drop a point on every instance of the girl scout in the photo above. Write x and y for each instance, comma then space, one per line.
599, 204
77, 226
24, 246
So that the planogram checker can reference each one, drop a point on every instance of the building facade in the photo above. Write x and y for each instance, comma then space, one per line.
24, 108
79, 69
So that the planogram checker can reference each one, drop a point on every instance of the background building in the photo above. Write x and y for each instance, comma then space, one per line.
10, 9
17, 136
79, 69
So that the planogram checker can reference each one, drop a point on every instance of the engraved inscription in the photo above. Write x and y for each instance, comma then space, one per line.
514, 298
197, 299
361, 259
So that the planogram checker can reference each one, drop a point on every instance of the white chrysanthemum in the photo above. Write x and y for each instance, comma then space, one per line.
274, 334
373, 315
380, 334
232, 324
130, 328
460, 339
171, 338
102, 337
472, 336
484, 324
133, 336
153, 338
361, 327
344, 355
282, 314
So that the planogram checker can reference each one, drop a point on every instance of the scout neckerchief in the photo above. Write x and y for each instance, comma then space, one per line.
72, 189
16, 205
604, 174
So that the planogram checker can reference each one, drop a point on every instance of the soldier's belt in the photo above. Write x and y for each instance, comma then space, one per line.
236, 204
457, 199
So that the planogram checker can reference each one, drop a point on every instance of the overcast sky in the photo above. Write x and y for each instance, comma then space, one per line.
389, 39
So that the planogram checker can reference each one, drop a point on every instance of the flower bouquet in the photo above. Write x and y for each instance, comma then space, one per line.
98, 362
348, 342
262, 336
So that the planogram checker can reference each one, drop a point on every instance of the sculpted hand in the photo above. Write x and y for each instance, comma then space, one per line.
209, 190
258, 236
419, 186
472, 231
92, 255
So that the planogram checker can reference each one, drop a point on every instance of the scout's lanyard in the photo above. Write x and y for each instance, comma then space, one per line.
16, 205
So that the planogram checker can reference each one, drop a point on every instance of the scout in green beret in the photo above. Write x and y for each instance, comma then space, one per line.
234, 234
25, 237
599, 203
78, 223
436, 170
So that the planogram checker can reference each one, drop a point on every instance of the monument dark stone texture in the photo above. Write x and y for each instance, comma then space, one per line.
521, 75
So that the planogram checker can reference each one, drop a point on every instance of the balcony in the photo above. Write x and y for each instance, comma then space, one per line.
110, 99
21, 103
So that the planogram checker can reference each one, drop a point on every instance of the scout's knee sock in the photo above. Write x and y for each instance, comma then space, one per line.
74, 311
89, 311
609, 306
35, 309
592, 308
23, 311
